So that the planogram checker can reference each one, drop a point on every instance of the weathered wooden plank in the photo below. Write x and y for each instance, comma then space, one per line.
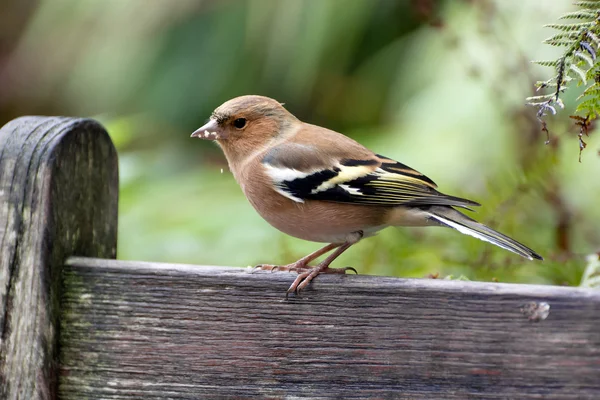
143, 330
58, 197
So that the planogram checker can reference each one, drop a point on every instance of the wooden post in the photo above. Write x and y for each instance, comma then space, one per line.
58, 198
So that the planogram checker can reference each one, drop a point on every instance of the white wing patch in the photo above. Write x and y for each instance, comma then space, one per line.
279, 175
346, 174
351, 190
285, 174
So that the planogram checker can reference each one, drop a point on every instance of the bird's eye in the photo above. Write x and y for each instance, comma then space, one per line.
239, 123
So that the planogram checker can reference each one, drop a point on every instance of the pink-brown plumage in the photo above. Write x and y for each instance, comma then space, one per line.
319, 185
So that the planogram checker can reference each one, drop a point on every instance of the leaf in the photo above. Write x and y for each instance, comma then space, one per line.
594, 38
571, 27
544, 97
586, 58
587, 4
546, 63
559, 42
589, 106
592, 91
579, 72
580, 14
570, 37
587, 47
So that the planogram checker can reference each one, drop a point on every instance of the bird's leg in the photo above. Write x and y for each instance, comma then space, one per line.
301, 264
303, 279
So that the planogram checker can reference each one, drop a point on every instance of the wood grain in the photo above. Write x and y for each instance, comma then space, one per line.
58, 197
144, 330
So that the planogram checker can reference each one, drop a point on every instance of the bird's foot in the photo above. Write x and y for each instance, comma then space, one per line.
297, 266
304, 278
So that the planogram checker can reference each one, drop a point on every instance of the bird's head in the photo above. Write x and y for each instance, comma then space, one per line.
246, 123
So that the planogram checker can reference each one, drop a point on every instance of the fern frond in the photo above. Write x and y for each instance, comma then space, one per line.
546, 63
550, 83
580, 14
580, 41
591, 4
544, 97
564, 38
592, 36
589, 104
571, 27
593, 91
584, 57
579, 72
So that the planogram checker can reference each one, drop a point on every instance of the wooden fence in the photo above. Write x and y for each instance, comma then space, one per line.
75, 323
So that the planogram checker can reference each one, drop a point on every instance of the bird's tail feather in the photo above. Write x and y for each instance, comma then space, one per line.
452, 218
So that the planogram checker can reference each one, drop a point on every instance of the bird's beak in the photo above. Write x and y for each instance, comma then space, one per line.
210, 131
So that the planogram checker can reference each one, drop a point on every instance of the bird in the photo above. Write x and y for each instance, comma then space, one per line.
319, 185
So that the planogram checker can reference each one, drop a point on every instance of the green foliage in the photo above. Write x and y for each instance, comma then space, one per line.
578, 63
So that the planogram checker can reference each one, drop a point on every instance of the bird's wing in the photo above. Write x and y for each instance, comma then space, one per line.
302, 172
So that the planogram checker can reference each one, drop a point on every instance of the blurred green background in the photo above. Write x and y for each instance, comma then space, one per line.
438, 85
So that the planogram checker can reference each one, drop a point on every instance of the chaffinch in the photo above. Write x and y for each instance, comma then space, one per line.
319, 185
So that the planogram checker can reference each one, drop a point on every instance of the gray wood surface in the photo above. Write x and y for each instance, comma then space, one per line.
144, 330
58, 197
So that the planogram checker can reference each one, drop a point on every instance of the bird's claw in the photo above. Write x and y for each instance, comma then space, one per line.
262, 266
293, 267
303, 279
339, 270
305, 274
